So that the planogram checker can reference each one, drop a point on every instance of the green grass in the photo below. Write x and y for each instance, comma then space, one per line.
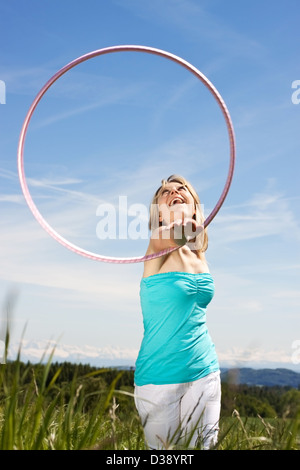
238, 433
37, 413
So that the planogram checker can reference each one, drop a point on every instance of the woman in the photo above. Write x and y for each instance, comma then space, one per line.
177, 378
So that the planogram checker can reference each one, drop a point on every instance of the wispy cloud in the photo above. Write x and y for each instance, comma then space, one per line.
14, 198
109, 97
192, 18
176, 95
112, 355
27, 80
35, 351
257, 357
30, 256
267, 214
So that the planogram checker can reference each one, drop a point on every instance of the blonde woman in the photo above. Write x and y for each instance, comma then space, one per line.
177, 378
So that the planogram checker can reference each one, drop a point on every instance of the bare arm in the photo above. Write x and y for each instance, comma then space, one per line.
176, 234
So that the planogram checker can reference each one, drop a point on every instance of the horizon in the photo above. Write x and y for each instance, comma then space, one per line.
34, 352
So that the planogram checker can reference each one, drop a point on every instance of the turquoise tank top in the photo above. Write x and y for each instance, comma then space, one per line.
176, 345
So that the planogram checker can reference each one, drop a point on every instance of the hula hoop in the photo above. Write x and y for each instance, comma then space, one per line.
90, 55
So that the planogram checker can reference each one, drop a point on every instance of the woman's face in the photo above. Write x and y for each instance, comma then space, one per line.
175, 202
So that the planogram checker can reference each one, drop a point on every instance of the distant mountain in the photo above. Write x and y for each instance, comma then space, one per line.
109, 356
124, 358
261, 377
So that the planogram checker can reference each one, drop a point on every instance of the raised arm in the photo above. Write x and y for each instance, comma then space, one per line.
176, 234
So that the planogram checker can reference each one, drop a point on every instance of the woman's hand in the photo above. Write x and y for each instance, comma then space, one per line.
177, 233
184, 231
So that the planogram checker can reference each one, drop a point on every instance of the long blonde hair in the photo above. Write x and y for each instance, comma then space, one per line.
199, 216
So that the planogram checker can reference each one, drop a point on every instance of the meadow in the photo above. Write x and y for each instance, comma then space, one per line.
51, 406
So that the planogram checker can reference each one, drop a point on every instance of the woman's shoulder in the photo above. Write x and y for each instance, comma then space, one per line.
154, 265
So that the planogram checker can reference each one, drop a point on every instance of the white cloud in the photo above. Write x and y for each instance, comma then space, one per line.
254, 356
289, 294
192, 18
25, 80
35, 351
14, 198
267, 214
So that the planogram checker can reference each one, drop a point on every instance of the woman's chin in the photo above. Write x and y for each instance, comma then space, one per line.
180, 211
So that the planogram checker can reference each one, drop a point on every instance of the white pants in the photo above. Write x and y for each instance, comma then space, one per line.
180, 414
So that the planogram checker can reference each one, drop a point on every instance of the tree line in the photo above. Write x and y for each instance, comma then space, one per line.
63, 378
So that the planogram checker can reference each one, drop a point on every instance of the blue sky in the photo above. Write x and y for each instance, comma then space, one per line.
115, 126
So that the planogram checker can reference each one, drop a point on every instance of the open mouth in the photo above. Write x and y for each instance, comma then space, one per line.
176, 200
